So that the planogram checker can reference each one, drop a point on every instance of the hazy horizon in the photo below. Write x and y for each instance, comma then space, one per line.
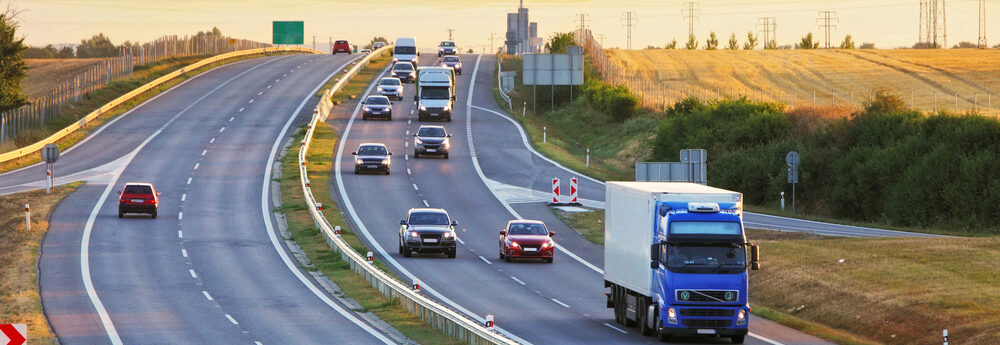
888, 24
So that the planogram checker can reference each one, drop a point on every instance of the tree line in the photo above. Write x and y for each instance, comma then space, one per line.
97, 46
753, 41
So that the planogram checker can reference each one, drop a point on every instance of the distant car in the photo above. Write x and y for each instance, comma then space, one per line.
377, 106
427, 230
390, 87
341, 46
404, 71
138, 198
431, 140
453, 62
377, 45
372, 156
524, 239
366, 51
447, 48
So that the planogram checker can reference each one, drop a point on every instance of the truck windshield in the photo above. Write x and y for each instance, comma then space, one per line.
435, 93
405, 50
705, 228
701, 255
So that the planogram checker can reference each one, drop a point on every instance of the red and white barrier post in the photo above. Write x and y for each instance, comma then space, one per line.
336, 230
489, 322
416, 285
555, 190
572, 190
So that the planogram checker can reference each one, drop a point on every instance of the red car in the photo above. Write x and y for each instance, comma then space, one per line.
138, 198
341, 46
526, 239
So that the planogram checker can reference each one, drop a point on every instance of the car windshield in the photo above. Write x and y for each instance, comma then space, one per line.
451, 59
528, 229
137, 189
341, 42
389, 82
701, 255
431, 132
406, 66
428, 218
377, 101
447, 44
372, 150
435, 93
405, 50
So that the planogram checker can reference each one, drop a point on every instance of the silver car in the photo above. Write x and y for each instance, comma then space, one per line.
390, 87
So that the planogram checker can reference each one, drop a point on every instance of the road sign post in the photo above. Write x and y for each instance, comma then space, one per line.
792, 160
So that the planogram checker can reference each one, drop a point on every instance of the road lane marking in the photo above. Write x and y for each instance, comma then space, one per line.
615, 328
486, 261
517, 280
193, 275
460, 240
189, 180
272, 234
426, 204
196, 165
559, 302
251, 100
232, 118
231, 319
415, 186
183, 196
207, 296
406, 157
184, 252
222, 129
260, 93
241, 109
407, 132
211, 141
203, 152
408, 171
180, 215
408, 121
269, 86
180, 234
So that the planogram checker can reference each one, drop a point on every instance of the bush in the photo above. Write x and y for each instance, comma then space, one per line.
616, 101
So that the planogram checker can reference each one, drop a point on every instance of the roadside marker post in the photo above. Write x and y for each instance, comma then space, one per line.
319, 206
489, 322
588, 157
416, 285
545, 135
371, 257
336, 230
555, 190
945, 335
573, 190
16, 333
27, 217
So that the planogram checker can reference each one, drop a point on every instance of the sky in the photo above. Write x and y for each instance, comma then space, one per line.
887, 23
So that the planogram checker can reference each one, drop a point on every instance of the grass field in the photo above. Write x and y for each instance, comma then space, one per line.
19, 298
45, 74
832, 73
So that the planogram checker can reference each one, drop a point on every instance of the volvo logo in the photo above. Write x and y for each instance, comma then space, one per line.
730, 296
685, 295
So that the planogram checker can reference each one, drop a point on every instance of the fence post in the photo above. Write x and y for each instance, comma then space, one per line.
956, 102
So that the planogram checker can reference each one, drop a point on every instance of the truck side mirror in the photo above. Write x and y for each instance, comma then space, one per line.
654, 256
754, 257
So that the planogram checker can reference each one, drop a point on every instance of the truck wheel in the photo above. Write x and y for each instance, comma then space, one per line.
643, 312
738, 339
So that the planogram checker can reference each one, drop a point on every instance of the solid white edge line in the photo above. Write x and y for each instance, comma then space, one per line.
559, 302
231, 319
207, 296
615, 328
479, 171
459, 239
378, 247
517, 280
766, 340
88, 283
266, 213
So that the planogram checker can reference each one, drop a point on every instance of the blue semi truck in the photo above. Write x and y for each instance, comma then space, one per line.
676, 259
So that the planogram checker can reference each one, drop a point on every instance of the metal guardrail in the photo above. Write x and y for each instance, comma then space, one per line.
82, 123
430, 311
500, 86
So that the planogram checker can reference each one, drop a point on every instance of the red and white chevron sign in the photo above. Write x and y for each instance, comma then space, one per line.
555, 190
13, 333
572, 190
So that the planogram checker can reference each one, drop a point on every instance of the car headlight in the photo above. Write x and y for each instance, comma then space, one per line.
449, 234
418, 141
458, 65
413, 234
367, 109
547, 244
423, 107
358, 161
514, 244
385, 161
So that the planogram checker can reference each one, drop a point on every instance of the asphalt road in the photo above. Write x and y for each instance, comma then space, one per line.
542, 303
210, 269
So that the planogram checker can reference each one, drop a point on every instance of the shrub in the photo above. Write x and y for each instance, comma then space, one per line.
616, 101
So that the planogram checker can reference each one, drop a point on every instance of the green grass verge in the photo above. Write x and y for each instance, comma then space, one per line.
98, 98
20, 301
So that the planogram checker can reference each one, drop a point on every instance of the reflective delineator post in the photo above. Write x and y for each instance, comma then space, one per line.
573, 190
945, 335
416, 285
489, 322
27, 217
336, 230
371, 257
319, 206
555, 190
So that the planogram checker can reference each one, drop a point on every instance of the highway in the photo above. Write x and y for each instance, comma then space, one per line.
211, 268
540, 303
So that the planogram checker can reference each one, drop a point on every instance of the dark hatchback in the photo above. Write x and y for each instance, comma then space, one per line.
404, 71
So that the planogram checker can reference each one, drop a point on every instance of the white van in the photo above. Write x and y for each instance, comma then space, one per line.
405, 50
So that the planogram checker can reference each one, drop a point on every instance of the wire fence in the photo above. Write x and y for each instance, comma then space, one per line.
39, 111
655, 95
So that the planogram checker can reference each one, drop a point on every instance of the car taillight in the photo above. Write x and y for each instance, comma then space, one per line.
122, 200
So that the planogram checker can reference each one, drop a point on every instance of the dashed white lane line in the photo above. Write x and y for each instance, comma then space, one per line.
193, 275
408, 121
484, 260
517, 280
269, 86
222, 129
406, 157
406, 144
189, 180
231, 319
180, 234
559, 302
207, 296
411, 113
284, 75
251, 100
407, 132
260, 93
196, 165
408, 171
211, 141
415, 186
184, 252
232, 118
180, 215
460, 240
241, 109
257, 343
615, 328
277, 80
203, 152
426, 204
183, 196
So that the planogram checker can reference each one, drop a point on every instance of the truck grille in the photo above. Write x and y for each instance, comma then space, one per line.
696, 323
706, 312
710, 296
435, 110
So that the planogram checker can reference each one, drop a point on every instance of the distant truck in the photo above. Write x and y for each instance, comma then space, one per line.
676, 259
435, 93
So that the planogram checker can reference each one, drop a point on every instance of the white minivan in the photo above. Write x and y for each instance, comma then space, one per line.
405, 50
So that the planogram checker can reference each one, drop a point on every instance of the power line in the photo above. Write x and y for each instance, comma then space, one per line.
629, 19
982, 24
825, 19
690, 16
768, 28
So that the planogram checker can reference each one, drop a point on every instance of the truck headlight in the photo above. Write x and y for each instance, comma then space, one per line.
671, 316
423, 107
741, 317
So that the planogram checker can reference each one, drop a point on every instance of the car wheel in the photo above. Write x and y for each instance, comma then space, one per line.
387, 171
445, 156
549, 260
121, 214
356, 171
400, 247
153, 214
415, 154
389, 118
449, 119
451, 254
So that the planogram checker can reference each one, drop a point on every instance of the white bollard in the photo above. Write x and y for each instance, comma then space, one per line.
588, 158
336, 230
27, 217
48, 180
544, 135
782, 200
416, 285
371, 257
524, 110
945, 335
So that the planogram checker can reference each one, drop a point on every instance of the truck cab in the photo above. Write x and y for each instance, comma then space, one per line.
435, 93
693, 280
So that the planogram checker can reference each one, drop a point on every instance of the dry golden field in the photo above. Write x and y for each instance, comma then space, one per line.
45, 74
792, 76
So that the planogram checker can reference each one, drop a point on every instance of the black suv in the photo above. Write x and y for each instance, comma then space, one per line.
433, 140
372, 157
427, 230
377, 106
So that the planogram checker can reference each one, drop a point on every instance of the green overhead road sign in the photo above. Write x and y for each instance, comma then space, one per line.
287, 33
